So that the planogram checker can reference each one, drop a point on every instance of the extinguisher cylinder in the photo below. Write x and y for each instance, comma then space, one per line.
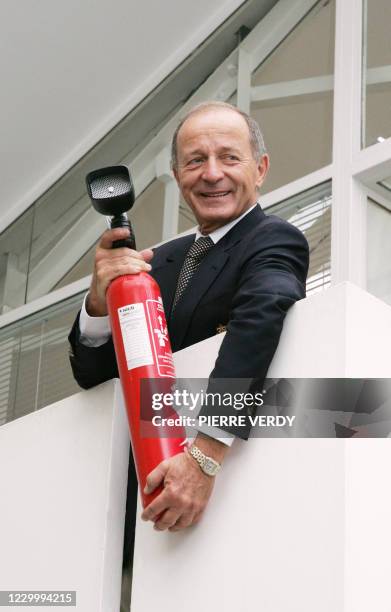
145, 363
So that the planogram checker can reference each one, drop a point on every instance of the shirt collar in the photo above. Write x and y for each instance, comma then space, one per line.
221, 231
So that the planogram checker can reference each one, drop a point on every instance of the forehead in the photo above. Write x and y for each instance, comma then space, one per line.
214, 126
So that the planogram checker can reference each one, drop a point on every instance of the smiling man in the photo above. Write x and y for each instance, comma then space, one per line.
217, 167
240, 272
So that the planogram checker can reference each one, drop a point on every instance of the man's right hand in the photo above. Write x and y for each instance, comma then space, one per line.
110, 263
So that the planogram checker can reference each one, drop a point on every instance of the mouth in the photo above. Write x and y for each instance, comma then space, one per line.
215, 194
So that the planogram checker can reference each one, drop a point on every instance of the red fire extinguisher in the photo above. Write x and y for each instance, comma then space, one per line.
140, 336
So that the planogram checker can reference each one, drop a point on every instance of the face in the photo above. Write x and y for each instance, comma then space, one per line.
216, 172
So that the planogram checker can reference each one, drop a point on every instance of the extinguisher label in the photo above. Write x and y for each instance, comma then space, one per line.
135, 336
160, 339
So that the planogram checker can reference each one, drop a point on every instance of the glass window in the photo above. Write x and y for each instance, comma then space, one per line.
147, 217
9, 350
311, 213
81, 269
15, 247
294, 91
34, 365
58, 239
376, 124
379, 249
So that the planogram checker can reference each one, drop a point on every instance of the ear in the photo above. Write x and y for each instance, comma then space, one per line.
262, 169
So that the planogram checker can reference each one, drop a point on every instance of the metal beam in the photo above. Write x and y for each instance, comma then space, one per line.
287, 89
377, 194
171, 194
296, 187
244, 80
171, 210
274, 28
348, 233
373, 163
313, 85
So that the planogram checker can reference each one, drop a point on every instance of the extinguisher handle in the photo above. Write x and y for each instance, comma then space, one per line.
125, 242
123, 221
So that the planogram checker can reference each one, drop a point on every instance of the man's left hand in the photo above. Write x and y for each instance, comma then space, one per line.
186, 490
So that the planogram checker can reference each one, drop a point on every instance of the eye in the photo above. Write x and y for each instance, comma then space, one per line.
231, 157
195, 161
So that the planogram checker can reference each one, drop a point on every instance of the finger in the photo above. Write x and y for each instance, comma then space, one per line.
110, 254
185, 520
118, 264
147, 254
197, 517
156, 477
106, 241
126, 261
109, 270
167, 520
160, 504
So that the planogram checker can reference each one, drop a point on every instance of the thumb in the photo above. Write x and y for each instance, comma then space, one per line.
147, 254
155, 477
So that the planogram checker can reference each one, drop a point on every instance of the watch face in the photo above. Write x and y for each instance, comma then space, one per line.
211, 467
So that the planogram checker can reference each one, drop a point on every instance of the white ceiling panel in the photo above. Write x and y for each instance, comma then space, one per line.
70, 70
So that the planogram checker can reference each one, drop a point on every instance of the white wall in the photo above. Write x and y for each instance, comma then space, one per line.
70, 70
63, 494
293, 525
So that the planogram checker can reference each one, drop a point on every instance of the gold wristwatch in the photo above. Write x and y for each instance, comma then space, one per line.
208, 465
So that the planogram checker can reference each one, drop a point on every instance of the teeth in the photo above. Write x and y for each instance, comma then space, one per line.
215, 195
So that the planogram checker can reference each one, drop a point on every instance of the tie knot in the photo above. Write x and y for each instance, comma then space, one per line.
200, 247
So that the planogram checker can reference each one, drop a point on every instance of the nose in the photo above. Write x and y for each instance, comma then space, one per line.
212, 171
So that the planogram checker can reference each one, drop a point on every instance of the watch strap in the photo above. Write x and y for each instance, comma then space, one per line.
208, 465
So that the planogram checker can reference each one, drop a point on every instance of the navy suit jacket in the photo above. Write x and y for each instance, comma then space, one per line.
246, 283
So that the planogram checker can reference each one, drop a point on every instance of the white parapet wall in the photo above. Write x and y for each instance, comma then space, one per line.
294, 525
62, 501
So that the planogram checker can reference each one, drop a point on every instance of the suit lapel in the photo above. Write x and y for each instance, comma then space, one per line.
206, 274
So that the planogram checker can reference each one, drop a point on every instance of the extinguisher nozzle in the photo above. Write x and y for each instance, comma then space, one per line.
111, 190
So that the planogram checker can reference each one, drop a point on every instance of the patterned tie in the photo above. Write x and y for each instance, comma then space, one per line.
195, 254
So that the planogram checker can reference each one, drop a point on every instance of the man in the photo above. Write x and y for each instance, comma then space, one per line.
253, 270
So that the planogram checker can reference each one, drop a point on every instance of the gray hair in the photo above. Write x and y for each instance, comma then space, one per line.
257, 142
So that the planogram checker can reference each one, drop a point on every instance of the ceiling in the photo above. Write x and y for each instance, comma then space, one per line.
71, 70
